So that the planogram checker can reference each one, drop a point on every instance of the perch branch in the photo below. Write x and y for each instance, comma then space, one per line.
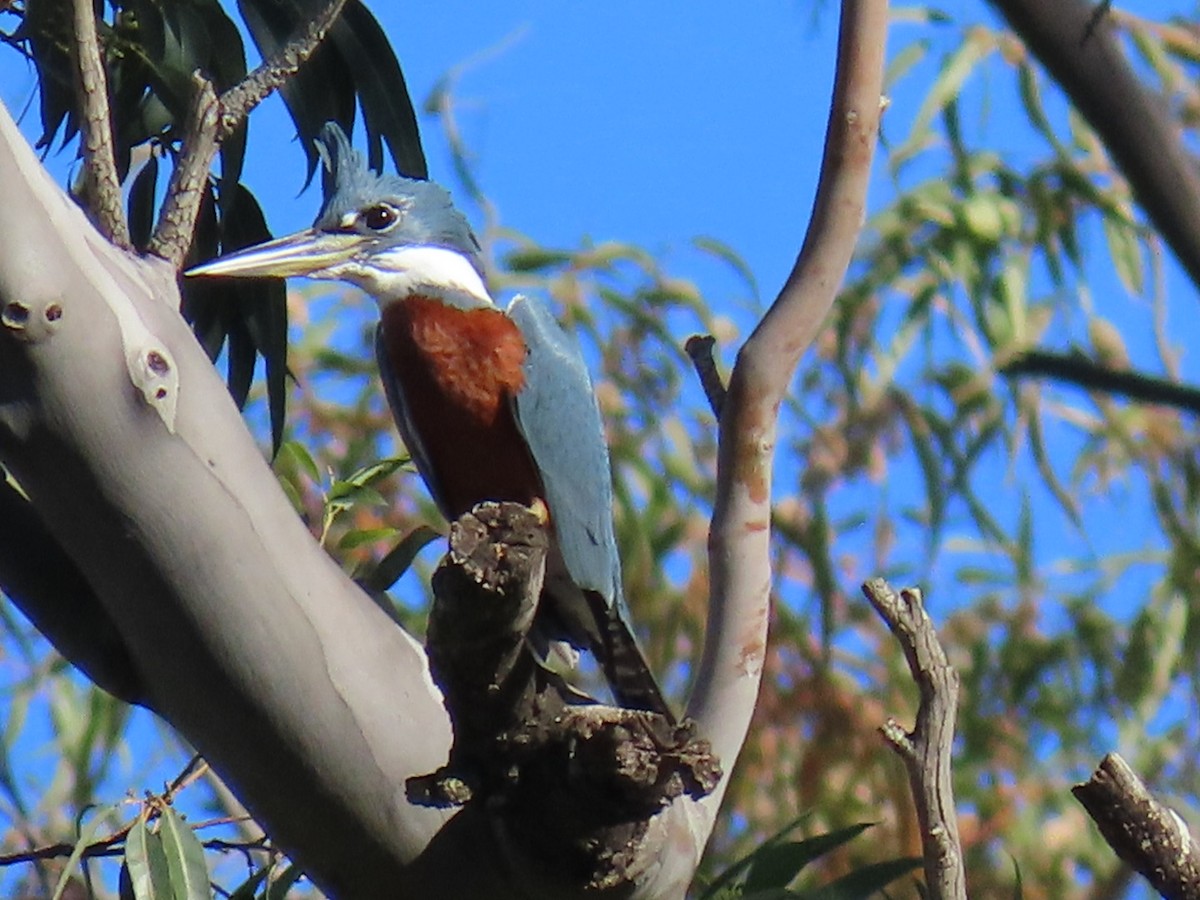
1147, 835
103, 189
699, 349
529, 744
926, 750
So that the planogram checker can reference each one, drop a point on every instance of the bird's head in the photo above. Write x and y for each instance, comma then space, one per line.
388, 234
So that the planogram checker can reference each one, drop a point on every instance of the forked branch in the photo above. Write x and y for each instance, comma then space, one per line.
213, 119
99, 163
926, 750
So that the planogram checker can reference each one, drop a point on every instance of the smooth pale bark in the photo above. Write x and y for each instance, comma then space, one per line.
730, 673
296, 687
299, 691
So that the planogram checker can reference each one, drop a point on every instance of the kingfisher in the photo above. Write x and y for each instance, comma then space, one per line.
492, 403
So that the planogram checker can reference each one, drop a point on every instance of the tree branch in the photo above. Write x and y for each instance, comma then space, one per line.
47, 586
239, 100
730, 671
1083, 56
926, 750
1077, 369
576, 782
100, 167
1147, 835
212, 120
173, 234
699, 349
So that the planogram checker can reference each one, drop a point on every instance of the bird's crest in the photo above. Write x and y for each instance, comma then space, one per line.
427, 215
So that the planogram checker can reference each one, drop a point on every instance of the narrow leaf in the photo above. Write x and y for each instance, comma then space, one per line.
185, 857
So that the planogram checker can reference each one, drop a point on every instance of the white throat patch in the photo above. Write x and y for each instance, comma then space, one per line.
436, 271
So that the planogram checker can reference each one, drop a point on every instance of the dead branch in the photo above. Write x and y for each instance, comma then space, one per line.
577, 781
1147, 835
926, 750
699, 348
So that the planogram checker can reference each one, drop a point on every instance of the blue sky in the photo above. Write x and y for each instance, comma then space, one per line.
649, 123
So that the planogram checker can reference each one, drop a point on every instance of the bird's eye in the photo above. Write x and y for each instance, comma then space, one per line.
380, 217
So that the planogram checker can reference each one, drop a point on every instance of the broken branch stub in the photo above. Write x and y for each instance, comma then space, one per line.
530, 746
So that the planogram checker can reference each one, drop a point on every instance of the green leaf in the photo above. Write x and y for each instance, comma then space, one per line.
353, 539
735, 261
376, 472
863, 883
86, 835
715, 887
278, 888
248, 889
146, 862
399, 559
296, 454
185, 857
536, 259
1126, 251
946, 87
777, 865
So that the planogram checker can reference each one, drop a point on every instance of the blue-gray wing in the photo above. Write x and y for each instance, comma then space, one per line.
558, 415
557, 412
404, 424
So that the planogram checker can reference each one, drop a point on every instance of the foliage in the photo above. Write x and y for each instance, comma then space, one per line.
923, 445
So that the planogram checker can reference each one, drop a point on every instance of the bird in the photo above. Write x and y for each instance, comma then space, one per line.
492, 403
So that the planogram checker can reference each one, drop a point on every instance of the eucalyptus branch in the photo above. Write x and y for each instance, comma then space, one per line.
173, 233
730, 671
1143, 832
699, 348
1076, 43
213, 119
239, 100
100, 168
1075, 368
926, 750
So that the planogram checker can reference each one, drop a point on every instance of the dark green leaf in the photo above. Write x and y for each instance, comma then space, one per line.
278, 889
149, 876
185, 857
323, 90
398, 559
387, 109
141, 203
248, 889
727, 877
864, 883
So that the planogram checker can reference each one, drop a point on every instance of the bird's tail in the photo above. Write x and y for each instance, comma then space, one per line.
629, 676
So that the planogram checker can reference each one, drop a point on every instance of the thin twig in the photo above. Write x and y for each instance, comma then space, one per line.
1091, 375
699, 349
100, 167
237, 102
1141, 831
173, 233
213, 119
926, 749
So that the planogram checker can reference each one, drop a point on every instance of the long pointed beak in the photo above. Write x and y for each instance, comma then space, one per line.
303, 253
